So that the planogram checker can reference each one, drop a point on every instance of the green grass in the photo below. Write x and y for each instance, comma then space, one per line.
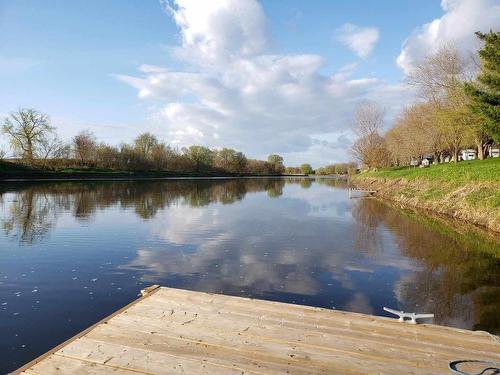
486, 197
457, 173
434, 193
90, 170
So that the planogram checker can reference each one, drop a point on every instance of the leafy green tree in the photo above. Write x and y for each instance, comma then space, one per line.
200, 156
145, 143
276, 163
306, 169
230, 160
258, 167
485, 93
292, 170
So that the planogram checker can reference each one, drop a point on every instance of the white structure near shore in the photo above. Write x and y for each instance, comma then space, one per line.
468, 154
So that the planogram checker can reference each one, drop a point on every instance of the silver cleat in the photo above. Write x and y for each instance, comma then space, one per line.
409, 317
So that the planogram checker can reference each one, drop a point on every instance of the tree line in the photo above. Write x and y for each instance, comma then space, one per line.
335, 169
35, 142
338, 169
458, 108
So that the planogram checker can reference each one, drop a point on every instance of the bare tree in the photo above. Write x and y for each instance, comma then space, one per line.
51, 147
368, 119
416, 127
369, 148
440, 72
440, 77
27, 129
107, 156
84, 146
396, 139
456, 122
162, 155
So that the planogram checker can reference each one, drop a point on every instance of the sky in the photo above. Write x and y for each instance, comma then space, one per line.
268, 76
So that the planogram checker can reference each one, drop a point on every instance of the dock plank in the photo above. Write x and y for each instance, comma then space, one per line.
340, 324
314, 316
347, 341
173, 331
141, 359
58, 365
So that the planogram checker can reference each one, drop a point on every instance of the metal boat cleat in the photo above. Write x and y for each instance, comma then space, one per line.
409, 317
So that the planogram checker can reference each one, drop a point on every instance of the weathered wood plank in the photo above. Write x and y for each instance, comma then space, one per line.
59, 365
270, 357
316, 318
142, 360
261, 329
261, 343
284, 309
174, 331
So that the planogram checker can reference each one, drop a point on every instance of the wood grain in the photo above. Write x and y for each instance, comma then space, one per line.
174, 331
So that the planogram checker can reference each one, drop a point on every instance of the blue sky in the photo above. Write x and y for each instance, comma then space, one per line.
223, 72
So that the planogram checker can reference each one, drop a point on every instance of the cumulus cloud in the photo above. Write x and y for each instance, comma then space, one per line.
233, 92
460, 20
361, 40
219, 29
226, 254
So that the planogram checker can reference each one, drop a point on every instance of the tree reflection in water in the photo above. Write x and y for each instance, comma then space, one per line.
33, 209
312, 241
459, 274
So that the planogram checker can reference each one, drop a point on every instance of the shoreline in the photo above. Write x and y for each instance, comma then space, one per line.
121, 176
446, 222
437, 197
125, 177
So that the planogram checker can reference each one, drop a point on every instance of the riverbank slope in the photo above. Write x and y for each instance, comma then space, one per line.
468, 191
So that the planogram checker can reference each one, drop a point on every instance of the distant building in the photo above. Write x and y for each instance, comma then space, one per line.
495, 151
414, 162
427, 159
468, 154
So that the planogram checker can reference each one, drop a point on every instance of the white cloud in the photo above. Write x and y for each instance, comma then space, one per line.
219, 29
457, 26
361, 40
249, 265
233, 92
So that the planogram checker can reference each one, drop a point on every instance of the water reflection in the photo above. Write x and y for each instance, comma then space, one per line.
93, 245
33, 209
458, 278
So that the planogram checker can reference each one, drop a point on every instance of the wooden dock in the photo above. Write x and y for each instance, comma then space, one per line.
367, 193
172, 331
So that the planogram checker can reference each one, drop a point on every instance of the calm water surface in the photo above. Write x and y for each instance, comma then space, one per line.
73, 252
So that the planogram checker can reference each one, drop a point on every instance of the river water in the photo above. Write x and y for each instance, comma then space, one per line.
73, 252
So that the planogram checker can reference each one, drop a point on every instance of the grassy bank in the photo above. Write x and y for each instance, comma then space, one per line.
469, 190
